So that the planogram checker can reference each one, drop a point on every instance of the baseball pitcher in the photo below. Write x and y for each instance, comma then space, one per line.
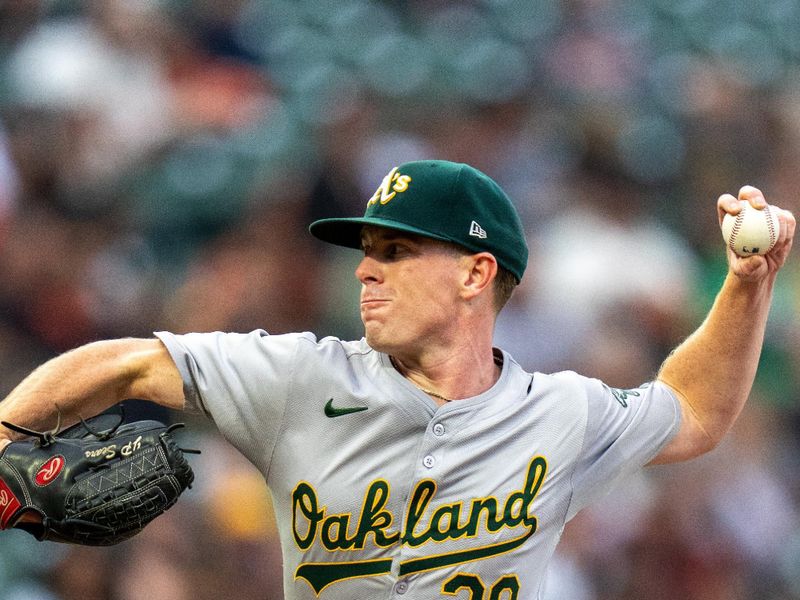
421, 461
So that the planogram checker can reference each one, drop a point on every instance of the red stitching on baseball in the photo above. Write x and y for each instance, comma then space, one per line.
737, 225
773, 236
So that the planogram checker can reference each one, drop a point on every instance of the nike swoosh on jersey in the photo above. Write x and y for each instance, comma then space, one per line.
331, 411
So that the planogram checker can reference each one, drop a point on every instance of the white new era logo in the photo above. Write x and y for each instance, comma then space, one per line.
477, 231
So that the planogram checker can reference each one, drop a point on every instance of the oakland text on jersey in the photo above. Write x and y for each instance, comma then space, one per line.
313, 523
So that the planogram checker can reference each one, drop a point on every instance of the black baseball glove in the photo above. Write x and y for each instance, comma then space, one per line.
96, 484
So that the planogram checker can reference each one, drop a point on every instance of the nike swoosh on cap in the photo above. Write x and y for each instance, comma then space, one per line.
331, 411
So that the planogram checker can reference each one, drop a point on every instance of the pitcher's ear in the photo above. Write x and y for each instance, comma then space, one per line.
479, 272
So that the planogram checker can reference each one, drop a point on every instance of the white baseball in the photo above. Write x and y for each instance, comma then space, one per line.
753, 231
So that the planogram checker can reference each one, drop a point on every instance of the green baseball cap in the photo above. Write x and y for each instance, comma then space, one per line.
442, 200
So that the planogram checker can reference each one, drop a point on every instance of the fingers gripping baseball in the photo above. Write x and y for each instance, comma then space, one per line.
759, 235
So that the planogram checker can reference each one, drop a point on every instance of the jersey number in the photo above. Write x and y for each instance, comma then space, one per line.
505, 588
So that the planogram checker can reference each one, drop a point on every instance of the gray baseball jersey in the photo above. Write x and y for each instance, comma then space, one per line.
380, 493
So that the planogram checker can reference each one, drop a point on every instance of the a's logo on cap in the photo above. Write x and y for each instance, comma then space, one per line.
477, 231
391, 185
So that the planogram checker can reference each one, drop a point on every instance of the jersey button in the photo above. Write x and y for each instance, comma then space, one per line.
438, 429
401, 587
429, 461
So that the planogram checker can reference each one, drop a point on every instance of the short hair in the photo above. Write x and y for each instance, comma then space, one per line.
504, 284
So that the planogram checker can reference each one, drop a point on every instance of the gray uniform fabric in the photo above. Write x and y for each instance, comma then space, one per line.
379, 493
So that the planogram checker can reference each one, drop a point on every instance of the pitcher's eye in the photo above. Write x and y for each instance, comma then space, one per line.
395, 250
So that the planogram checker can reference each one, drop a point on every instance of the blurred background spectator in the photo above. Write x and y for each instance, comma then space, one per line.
160, 160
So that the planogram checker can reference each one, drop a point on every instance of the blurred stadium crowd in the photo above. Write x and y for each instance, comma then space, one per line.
160, 160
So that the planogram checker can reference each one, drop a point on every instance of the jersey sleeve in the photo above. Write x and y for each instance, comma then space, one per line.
241, 381
624, 430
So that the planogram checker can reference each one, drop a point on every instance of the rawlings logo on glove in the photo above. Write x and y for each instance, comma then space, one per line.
50, 470
92, 484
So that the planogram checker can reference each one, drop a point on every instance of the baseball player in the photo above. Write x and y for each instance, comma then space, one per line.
420, 461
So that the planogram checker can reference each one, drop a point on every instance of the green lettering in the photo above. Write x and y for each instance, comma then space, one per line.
374, 519
304, 500
490, 506
420, 498
444, 523
334, 533
508, 583
321, 575
438, 561
523, 499
464, 581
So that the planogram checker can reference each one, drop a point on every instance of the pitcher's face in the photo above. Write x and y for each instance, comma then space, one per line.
409, 288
